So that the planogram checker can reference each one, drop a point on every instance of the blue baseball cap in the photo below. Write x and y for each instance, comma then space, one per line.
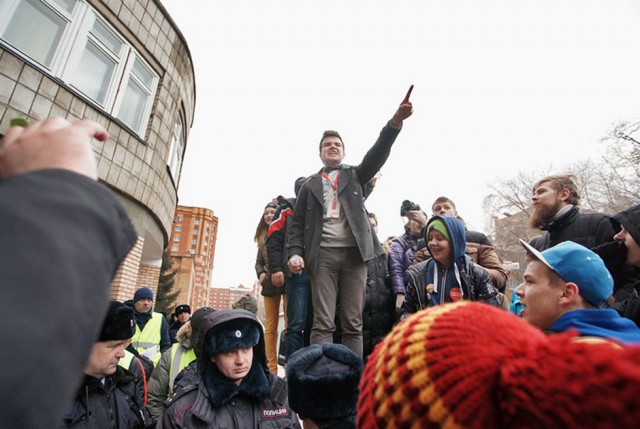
579, 265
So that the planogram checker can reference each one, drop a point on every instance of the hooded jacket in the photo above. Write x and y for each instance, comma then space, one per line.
259, 401
630, 219
462, 280
481, 252
602, 323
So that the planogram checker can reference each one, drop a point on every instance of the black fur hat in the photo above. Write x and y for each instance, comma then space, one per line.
119, 323
184, 308
232, 335
323, 381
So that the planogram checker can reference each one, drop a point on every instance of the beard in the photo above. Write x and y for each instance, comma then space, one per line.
542, 215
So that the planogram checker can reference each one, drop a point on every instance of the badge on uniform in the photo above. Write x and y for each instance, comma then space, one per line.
271, 413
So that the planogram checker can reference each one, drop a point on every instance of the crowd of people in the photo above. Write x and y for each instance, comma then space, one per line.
411, 332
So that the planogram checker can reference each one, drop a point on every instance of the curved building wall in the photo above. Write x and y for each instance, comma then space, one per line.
125, 65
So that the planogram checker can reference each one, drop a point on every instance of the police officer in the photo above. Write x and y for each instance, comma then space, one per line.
234, 388
108, 396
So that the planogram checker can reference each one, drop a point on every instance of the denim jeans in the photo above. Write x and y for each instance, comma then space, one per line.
298, 291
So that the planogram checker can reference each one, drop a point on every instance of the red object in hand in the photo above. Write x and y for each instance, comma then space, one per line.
406, 98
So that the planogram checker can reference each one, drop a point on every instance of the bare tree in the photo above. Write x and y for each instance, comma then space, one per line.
621, 166
608, 185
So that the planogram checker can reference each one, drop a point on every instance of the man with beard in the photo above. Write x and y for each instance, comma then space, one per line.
554, 210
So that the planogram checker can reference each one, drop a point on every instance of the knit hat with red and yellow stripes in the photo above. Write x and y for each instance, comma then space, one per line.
469, 365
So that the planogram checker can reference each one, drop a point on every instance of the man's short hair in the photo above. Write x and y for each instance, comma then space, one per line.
443, 200
330, 133
560, 182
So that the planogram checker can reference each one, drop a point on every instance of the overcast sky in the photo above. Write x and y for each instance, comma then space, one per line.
500, 86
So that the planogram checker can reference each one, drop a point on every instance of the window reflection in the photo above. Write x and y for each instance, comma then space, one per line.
36, 30
94, 73
135, 99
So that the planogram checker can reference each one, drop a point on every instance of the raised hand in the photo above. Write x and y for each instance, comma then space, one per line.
52, 143
404, 110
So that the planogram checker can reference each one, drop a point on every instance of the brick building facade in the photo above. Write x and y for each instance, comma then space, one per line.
192, 245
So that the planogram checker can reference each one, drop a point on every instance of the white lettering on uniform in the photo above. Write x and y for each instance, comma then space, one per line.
274, 412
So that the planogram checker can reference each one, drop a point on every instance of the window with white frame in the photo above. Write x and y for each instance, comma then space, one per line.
178, 228
72, 42
176, 151
174, 248
176, 238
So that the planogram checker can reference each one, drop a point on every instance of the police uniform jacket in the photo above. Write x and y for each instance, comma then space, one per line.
116, 403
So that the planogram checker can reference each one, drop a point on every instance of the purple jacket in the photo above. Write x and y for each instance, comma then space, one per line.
401, 256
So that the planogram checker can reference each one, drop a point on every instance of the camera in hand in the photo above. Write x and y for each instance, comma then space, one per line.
408, 206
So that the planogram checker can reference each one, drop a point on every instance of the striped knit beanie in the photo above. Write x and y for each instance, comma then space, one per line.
469, 365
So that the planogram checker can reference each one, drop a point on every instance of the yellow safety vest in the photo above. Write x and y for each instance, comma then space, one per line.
125, 362
149, 337
179, 359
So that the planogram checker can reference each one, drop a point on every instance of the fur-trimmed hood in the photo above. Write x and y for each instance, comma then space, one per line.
184, 335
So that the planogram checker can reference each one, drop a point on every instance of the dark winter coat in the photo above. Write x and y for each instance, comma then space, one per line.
475, 282
379, 313
63, 238
277, 236
173, 330
306, 226
260, 401
587, 229
116, 404
403, 249
262, 266
590, 230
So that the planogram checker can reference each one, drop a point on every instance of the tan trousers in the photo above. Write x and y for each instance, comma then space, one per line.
272, 316
340, 280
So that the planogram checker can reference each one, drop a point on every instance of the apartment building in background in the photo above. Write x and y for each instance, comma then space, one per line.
224, 298
192, 245
125, 65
